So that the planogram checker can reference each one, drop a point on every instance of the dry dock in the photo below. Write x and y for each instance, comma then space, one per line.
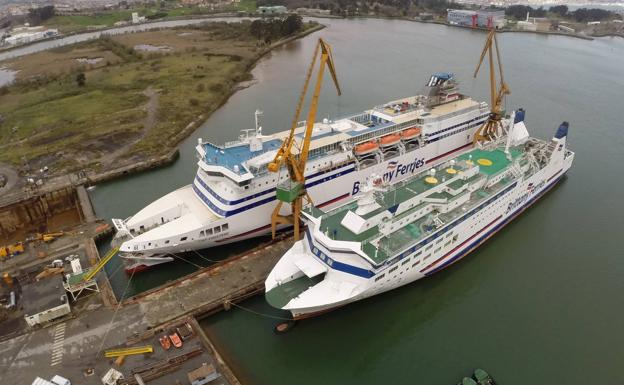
213, 288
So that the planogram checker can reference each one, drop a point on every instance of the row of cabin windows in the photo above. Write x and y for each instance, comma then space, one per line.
205, 233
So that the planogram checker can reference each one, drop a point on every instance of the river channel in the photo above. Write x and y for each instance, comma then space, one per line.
539, 303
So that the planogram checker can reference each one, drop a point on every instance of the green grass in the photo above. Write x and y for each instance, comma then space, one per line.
247, 5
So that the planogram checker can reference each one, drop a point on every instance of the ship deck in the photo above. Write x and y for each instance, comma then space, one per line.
379, 247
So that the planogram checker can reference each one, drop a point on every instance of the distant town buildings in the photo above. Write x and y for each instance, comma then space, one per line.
485, 18
313, 11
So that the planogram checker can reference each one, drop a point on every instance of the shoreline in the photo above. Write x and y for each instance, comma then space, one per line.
153, 161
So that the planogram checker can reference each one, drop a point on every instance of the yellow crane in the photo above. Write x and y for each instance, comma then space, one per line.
294, 154
488, 130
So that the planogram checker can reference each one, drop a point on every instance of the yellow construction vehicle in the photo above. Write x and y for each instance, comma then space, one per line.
11, 250
49, 237
493, 125
295, 154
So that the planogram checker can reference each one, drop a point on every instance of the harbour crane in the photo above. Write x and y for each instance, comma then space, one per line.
294, 153
493, 125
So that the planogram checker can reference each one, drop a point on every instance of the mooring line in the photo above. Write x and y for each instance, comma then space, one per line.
114, 315
260, 314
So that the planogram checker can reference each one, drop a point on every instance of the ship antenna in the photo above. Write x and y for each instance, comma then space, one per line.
258, 128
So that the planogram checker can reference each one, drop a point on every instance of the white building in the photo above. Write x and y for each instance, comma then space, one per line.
44, 300
136, 19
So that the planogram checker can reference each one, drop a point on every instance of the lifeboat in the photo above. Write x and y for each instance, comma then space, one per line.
410, 133
365, 148
390, 140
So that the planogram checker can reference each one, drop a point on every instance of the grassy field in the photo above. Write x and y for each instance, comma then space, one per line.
49, 119
67, 24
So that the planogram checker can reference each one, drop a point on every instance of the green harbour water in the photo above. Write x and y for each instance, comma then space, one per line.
539, 303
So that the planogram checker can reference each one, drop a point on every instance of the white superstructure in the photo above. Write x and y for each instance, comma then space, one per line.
233, 194
393, 235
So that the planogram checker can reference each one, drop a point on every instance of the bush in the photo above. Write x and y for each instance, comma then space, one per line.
194, 102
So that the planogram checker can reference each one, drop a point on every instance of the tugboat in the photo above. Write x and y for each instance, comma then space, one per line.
483, 378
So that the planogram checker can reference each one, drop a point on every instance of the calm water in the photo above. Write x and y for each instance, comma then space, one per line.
540, 303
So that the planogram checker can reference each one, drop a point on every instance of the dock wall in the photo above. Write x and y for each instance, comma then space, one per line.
33, 211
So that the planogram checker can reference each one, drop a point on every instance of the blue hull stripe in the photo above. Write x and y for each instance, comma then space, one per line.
256, 195
226, 213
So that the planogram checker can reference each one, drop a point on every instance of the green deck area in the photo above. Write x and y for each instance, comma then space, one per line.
280, 295
497, 157
490, 162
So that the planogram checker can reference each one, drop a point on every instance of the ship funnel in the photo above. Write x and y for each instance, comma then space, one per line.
562, 131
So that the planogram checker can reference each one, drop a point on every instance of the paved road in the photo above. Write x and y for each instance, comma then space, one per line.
68, 348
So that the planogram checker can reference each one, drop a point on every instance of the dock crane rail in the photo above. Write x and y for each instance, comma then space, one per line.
293, 191
100, 265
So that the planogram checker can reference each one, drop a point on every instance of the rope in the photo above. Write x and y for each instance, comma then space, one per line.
189, 262
204, 258
114, 315
260, 314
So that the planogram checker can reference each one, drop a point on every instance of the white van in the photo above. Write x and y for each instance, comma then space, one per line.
41, 381
58, 380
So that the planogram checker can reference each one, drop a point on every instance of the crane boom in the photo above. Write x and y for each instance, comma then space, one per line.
293, 191
489, 129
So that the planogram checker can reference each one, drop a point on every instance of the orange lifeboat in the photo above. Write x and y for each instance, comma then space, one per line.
410, 133
365, 148
390, 140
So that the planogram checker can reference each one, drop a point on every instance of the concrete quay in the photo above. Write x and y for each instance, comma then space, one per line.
213, 288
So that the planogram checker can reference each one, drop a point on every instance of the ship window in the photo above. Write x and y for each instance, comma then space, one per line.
202, 233
406, 261
208, 231
183, 239
447, 243
415, 263
429, 247
455, 238
438, 249
149, 244
142, 228
380, 277
426, 257
217, 229
166, 242
224, 227
393, 269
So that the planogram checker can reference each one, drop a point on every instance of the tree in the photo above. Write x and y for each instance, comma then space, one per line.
292, 24
38, 15
81, 79
560, 10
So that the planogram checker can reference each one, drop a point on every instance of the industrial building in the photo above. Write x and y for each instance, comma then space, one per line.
485, 18
44, 300
272, 10
17, 38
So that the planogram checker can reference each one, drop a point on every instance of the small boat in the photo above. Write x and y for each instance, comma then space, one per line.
483, 378
365, 148
410, 133
467, 381
165, 342
175, 338
390, 140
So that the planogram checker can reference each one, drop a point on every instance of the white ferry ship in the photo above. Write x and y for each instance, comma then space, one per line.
233, 194
393, 235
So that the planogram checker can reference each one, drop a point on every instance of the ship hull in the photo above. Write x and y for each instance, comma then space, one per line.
472, 233
326, 191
